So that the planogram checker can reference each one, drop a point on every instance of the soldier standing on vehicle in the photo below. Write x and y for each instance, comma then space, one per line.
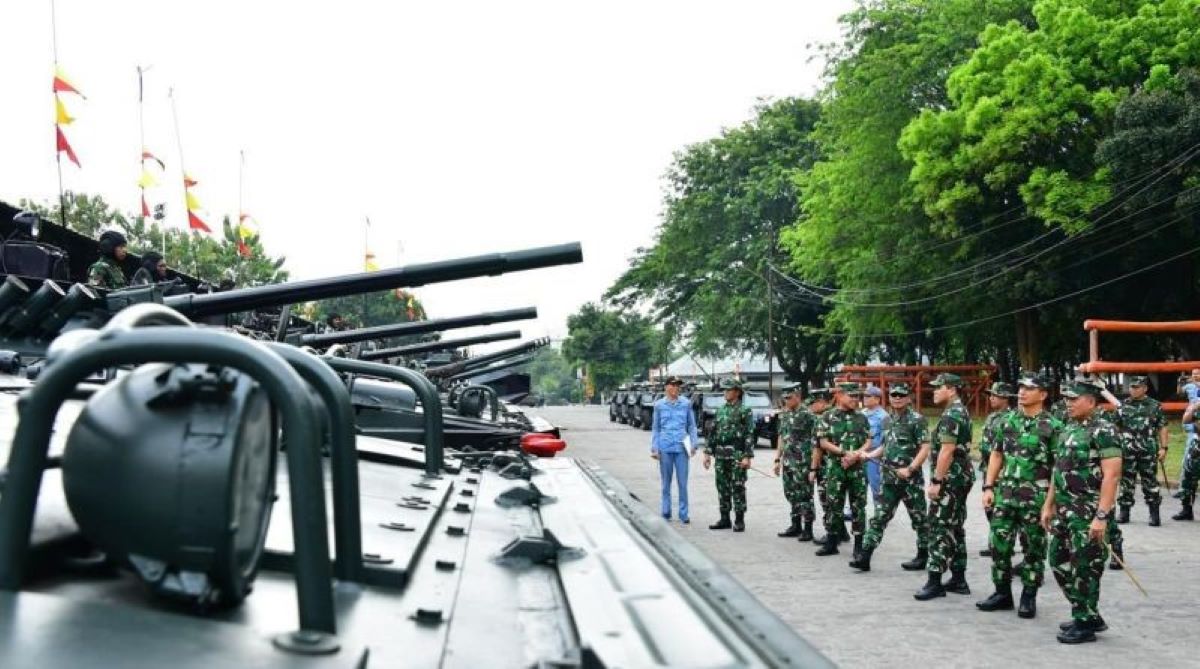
106, 272
792, 457
949, 484
844, 435
1000, 397
1087, 472
732, 444
904, 450
1141, 419
1018, 477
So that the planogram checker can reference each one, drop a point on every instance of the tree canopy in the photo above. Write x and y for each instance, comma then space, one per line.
614, 346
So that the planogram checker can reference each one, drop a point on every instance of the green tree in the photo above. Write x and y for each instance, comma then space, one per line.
614, 346
711, 273
553, 377
380, 308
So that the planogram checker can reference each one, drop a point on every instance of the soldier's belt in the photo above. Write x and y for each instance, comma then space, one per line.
725, 451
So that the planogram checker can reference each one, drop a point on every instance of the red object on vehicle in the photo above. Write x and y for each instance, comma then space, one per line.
542, 445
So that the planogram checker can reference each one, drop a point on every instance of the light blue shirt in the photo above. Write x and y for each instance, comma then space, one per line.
1193, 391
875, 418
672, 421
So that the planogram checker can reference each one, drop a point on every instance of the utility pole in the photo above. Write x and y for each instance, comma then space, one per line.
770, 319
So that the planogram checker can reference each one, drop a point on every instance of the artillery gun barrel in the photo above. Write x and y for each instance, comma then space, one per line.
441, 345
491, 264
482, 360
494, 368
417, 327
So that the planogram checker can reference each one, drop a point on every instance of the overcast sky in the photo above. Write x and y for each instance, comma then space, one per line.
458, 127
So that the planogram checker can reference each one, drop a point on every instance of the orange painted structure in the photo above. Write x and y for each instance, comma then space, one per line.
976, 379
1096, 365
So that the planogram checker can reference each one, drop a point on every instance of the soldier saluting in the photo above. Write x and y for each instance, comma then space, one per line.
1083, 489
732, 444
793, 457
905, 448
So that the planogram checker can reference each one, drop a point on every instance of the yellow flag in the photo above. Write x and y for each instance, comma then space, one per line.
370, 263
61, 115
147, 180
192, 203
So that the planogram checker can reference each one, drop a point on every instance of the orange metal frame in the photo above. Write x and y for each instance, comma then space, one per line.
976, 378
1097, 366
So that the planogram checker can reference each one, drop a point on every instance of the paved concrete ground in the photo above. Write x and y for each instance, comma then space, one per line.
867, 620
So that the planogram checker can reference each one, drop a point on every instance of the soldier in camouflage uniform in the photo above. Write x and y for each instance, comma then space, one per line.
1000, 397
1087, 470
106, 272
731, 443
844, 436
1018, 477
1059, 408
793, 457
904, 450
1141, 419
1191, 469
818, 403
949, 485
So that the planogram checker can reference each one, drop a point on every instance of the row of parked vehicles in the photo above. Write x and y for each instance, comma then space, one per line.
634, 406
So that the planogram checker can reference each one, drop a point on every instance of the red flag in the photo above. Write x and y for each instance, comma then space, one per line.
146, 155
243, 249
195, 223
63, 145
188, 182
61, 85
145, 209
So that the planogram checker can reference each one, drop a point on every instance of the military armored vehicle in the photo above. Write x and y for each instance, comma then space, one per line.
645, 406
706, 402
614, 403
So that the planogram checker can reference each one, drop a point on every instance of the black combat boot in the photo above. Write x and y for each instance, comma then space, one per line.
1028, 607
918, 562
1077, 634
1123, 516
843, 533
958, 583
1096, 624
739, 521
829, 547
1185, 513
932, 588
722, 524
792, 530
1117, 563
858, 539
1001, 600
805, 531
1154, 519
862, 560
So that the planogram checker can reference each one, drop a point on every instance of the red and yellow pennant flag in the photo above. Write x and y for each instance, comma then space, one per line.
63, 85
369, 262
146, 155
245, 231
63, 146
61, 117
193, 206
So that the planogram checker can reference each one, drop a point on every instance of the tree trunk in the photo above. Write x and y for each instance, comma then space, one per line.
1027, 340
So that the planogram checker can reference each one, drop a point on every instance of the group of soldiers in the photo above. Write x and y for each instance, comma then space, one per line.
1050, 481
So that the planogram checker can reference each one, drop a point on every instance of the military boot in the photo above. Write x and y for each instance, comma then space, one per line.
829, 547
792, 530
862, 560
739, 521
1123, 516
857, 544
805, 531
958, 583
1028, 606
985, 552
932, 588
1185, 513
1154, 519
1077, 634
918, 562
1001, 600
1118, 558
1096, 624
843, 533
722, 524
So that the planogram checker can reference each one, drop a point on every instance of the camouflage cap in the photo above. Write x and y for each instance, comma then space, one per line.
1001, 389
791, 390
850, 387
1034, 380
1139, 380
819, 394
946, 379
899, 390
731, 384
1093, 387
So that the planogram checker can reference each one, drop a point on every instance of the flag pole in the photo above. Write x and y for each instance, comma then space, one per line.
182, 169
62, 198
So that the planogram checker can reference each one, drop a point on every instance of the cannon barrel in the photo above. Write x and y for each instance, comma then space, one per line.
417, 327
198, 305
440, 345
471, 373
482, 360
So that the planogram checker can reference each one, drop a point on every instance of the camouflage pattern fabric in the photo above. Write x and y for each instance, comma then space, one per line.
903, 434
1140, 421
849, 431
1115, 538
947, 513
1191, 474
105, 274
991, 436
797, 430
1059, 410
1078, 562
731, 440
1027, 444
